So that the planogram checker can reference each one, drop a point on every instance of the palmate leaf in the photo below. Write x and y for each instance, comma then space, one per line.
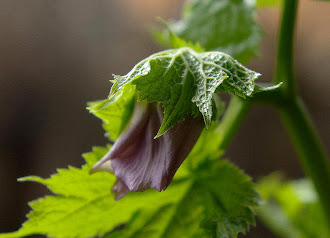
208, 198
225, 25
217, 203
184, 81
83, 205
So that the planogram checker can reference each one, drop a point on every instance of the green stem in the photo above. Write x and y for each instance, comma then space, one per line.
294, 115
230, 123
284, 65
309, 148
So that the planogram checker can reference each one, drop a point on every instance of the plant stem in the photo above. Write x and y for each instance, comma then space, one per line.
233, 117
309, 148
284, 66
294, 115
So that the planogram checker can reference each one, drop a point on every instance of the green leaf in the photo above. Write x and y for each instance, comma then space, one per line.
217, 203
176, 41
83, 205
115, 111
225, 25
292, 209
207, 198
206, 148
184, 81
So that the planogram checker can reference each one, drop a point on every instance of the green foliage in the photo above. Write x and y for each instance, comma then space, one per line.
177, 42
224, 25
184, 81
83, 205
292, 208
208, 198
216, 203
174, 40
115, 111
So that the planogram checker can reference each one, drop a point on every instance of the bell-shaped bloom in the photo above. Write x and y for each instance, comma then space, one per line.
139, 161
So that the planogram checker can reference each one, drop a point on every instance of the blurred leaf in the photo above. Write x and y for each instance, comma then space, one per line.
176, 41
224, 25
184, 81
292, 209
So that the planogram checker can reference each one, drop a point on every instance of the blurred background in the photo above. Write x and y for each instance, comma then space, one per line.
57, 55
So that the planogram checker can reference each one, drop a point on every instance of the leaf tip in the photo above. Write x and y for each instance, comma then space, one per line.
30, 179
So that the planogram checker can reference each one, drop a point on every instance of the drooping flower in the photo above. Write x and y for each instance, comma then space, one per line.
177, 83
140, 161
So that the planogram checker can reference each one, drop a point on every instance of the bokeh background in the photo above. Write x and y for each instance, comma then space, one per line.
57, 55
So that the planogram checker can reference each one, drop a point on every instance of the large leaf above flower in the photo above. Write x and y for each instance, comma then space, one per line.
225, 25
184, 81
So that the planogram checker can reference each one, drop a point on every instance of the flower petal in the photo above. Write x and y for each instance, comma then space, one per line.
139, 161
120, 189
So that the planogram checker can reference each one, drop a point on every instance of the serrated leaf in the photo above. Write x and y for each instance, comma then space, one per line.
184, 81
83, 205
225, 25
292, 208
207, 198
216, 204
116, 111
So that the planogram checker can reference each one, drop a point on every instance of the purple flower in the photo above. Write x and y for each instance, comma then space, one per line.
139, 161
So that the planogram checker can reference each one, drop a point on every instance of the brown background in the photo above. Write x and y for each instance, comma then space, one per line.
57, 55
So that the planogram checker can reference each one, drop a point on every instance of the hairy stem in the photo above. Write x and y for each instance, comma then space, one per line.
309, 148
233, 117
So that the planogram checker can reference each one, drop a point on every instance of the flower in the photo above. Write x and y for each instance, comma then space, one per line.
139, 161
